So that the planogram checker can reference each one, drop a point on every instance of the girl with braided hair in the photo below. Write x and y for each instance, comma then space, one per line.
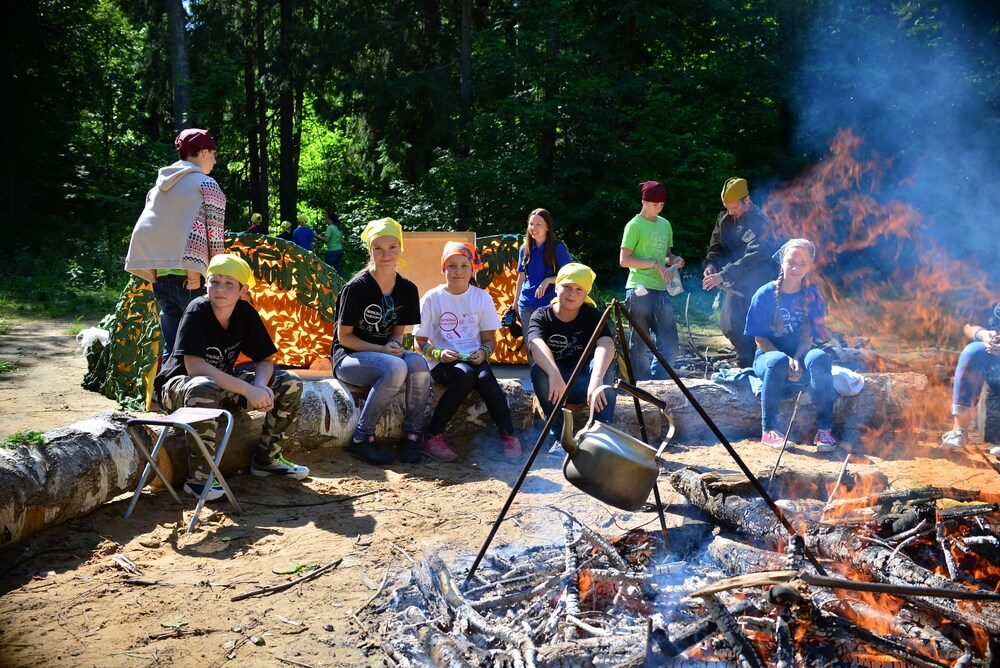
785, 315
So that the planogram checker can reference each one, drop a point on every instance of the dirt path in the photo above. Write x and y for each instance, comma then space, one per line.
65, 599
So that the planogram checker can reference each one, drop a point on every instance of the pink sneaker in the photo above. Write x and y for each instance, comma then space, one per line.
773, 439
511, 446
825, 442
435, 448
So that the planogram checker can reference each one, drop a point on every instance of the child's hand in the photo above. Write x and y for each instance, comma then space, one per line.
260, 398
993, 345
794, 370
394, 348
556, 386
450, 355
600, 400
477, 357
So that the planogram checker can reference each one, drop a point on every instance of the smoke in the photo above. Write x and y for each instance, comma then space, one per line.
920, 91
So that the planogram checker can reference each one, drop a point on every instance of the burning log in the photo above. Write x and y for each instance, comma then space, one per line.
865, 556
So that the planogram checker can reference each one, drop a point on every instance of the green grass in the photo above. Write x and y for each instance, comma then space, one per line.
24, 437
5, 327
76, 327
8, 366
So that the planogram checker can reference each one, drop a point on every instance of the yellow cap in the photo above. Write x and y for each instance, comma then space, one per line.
286, 226
581, 274
256, 218
301, 218
227, 264
734, 190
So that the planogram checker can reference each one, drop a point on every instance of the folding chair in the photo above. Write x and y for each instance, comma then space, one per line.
181, 421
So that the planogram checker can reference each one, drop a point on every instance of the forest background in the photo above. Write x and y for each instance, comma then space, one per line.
449, 114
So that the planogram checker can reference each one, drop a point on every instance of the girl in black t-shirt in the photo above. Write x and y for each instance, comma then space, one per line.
373, 310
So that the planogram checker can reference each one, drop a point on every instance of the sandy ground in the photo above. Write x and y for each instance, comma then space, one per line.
66, 600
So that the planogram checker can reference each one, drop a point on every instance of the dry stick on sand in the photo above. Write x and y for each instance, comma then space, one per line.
288, 585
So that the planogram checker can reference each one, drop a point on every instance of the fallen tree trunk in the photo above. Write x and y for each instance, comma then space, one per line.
94, 460
76, 469
887, 402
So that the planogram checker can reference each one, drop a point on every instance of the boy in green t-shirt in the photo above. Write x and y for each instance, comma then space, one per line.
645, 252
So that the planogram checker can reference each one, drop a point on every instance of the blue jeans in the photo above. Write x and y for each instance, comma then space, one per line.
336, 260
975, 367
577, 393
772, 368
524, 315
172, 298
654, 312
387, 375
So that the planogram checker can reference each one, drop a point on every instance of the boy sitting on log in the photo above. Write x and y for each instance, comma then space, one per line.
201, 373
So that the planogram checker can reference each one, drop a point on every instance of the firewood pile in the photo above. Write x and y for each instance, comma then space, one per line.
909, 581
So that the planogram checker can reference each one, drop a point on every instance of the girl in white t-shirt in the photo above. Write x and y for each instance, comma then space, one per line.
457, 335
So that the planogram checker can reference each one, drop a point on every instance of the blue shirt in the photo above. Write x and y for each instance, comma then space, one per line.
794, 309
537, 271
304, 236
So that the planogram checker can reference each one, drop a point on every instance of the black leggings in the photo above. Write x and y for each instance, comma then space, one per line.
461, 378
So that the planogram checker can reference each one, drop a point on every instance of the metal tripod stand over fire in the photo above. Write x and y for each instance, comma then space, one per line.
633, 457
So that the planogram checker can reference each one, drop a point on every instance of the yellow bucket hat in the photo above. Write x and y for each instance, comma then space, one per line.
734, 190
227, 264
581, 274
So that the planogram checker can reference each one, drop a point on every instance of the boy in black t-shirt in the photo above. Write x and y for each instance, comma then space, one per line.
200, 373
557, 336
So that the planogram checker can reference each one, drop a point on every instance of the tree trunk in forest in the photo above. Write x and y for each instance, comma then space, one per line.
180, 69
260, 129
547, 137
288, 184
250, 99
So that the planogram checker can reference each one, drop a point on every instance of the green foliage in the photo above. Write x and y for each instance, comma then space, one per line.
23, 438
9, 366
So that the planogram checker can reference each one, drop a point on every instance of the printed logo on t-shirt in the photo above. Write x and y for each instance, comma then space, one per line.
792, 319
223, 360
448, 322
562, 347
373, 314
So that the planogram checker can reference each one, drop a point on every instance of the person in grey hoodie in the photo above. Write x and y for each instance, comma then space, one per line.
179, 230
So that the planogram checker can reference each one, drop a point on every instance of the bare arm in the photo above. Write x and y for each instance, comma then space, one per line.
259, 396
541, 355
603, 355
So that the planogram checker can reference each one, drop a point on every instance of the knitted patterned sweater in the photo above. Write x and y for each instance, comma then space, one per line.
181, 225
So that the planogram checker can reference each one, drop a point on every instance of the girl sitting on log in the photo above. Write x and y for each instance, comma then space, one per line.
979, 362
785, 315
457, 334
373, 311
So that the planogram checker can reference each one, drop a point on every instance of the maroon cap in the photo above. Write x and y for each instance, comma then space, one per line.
653, 191
193, 140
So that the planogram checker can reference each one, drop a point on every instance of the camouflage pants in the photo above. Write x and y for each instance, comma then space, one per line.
203, 392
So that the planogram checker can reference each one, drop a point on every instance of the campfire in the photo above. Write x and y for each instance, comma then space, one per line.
915, 571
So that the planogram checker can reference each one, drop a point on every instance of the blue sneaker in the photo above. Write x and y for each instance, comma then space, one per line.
278, 466
196, 487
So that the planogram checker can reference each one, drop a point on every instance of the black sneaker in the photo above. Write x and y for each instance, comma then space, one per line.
367, 449
196, 487
409, 448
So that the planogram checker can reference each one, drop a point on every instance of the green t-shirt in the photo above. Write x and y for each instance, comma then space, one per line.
648, 240
334, 238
